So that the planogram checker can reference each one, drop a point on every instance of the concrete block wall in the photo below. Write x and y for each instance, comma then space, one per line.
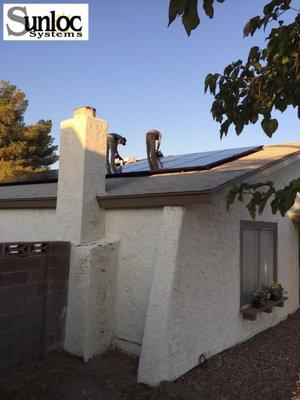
33, 299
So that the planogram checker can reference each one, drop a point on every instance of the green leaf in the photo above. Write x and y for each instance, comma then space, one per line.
290, 198
224, 128
235, 73
266, 198
207, 82
274, 205
253, 53
208, 7
269, 126
247, 29
252, 209
174, 8
230, 197
251, 26
239, 126
254, 118
228, 69
268, 8
280, 105
213, 83
190, 17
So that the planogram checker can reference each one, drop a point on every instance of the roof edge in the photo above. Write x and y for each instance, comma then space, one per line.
29, 203
50, 176
154, 200
286, 160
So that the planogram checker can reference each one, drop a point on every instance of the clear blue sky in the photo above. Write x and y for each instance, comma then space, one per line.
139, 74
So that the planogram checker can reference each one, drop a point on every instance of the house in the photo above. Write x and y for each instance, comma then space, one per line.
158, 266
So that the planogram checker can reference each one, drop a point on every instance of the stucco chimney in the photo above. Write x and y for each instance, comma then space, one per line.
84, 111
82, 169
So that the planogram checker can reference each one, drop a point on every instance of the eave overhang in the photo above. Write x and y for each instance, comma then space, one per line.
154, 200
49, 202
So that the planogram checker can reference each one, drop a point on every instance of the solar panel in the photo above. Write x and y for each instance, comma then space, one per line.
185, 162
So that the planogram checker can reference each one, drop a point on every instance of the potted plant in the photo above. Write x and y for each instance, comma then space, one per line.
276, 291
259, 299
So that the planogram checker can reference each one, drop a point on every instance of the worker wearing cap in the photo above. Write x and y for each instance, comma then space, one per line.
113, 140
153, 142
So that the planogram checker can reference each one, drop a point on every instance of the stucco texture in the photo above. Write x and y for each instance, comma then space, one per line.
91, 301
139, 235
81, 177
203, 314
28, 225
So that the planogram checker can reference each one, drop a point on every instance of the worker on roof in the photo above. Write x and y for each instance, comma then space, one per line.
153, 142
113, 140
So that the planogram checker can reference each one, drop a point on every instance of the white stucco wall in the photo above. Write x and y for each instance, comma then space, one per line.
28, 225
139, 235
91, 313
81, 177
204, 313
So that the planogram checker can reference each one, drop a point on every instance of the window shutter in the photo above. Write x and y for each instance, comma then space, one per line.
250, 260
266, 257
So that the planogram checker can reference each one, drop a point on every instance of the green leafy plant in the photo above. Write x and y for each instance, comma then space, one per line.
249, 91
276, 291
259, 299
260, 194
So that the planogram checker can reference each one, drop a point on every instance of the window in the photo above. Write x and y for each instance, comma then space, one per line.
258, 257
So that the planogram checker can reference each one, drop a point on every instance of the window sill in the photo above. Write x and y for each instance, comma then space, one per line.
250, 313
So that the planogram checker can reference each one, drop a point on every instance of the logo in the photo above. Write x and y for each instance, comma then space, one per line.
45, 21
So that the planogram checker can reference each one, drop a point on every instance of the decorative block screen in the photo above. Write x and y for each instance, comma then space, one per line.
33, 299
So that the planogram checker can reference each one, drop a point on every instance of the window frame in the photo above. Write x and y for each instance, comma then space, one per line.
257, 225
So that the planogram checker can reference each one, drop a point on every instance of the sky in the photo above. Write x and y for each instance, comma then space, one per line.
141, 75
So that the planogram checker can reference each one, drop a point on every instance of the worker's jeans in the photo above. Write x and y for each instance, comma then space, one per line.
151, 152
111, 155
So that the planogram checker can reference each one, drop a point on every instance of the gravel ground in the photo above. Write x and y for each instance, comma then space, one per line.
265, 367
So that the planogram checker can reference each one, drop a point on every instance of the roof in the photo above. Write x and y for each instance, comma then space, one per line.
38, 195
36, 177
195, 183
178, 188
33, 190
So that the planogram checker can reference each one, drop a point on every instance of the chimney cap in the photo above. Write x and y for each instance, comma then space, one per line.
84, 111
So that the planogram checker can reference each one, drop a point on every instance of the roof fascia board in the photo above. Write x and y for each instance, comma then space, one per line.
44, 203
157, 200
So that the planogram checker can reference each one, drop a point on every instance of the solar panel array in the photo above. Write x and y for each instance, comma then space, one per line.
186, 162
